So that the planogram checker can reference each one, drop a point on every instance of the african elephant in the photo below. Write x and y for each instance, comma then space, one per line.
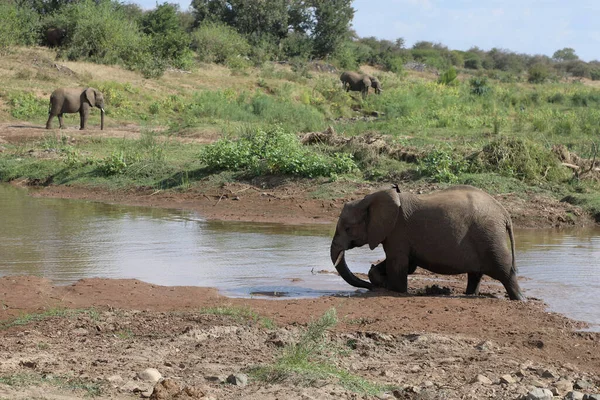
355, 82
375, 84
66, 100
457, 230
55, 36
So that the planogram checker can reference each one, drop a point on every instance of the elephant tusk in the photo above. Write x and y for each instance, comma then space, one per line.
102, 109
339, 258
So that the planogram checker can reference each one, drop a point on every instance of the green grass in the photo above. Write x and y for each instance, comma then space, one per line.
239, 314
26, 319
63, 382
312, 359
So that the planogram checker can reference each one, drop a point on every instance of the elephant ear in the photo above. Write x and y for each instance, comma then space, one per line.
90, 95
382, 212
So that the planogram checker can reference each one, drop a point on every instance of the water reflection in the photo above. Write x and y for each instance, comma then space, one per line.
564, 270
68, 240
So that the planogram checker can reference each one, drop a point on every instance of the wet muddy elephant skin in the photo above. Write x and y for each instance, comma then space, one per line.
66, 100
453, 231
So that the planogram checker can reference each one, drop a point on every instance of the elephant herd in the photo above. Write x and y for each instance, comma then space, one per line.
68, 100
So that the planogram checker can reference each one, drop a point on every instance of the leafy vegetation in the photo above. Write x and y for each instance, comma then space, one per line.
312, 359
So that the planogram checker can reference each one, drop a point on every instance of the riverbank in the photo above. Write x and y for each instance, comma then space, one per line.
95, 336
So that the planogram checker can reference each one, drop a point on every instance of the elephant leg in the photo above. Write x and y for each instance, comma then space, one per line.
509, 280
83, 116
474, 279
512, 287
397, 273
49, 122
61, 123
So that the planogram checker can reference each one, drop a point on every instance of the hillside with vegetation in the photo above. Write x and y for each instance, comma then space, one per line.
229, 93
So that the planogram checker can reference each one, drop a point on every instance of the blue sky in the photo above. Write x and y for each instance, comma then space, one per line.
523, 26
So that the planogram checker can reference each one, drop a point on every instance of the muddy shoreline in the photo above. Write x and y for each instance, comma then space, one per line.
421, 345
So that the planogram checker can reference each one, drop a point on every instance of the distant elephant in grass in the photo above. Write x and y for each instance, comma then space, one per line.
66, 100
458, 230
355, 82
375, 84
55, 36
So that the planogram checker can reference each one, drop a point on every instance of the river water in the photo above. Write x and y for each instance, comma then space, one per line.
67, 240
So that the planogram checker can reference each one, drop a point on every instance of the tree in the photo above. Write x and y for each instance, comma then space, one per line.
332, 25
257, 19
566, 54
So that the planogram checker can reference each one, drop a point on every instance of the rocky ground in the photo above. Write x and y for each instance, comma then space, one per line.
125, 339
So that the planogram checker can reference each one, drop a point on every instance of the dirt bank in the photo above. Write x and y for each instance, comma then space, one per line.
422, 346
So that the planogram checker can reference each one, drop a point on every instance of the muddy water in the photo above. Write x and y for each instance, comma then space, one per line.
68, 240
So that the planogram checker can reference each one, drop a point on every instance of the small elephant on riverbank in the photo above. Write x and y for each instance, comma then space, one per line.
66, 100
355, 82
453, 231
360, 82
55, 36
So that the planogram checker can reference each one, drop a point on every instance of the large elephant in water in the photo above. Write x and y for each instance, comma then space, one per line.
66, 100
453, 231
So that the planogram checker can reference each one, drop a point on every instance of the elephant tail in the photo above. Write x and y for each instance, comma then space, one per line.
509, 229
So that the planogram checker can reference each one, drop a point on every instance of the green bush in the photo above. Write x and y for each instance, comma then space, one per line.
442, 165
273, 151
219, 43
595, 74
448, 77
25, 106
538, 73
520, 158
18, 26
102, 33
479, 85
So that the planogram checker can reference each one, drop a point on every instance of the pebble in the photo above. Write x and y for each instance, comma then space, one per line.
549, 374
574, 395
115, 380
582, 384
80, 332
562, 387
507, 379
238, 379
484, 380
149, 375
539, 394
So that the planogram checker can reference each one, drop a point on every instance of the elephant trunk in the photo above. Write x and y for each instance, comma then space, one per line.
339, 261
102, 119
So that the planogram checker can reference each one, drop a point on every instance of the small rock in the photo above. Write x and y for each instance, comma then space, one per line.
507, 379
539, 394
487, 345
574, 395
79, 332
238, 379
562, 387
428, 384
149, 375
415, 368
484, 380
521, 373
216, 379
165, 389
582, 385
115, 380
591, 397
549, 374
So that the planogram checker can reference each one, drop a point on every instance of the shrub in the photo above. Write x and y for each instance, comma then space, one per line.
218, 43
521, 159
27, 105
479, 85
538, 73
102, 33
595, 74
273, 151
448, 77
442, 165
18, 26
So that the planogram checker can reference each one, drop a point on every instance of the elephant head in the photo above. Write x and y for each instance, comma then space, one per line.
96, 99
375, 84
369, 220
